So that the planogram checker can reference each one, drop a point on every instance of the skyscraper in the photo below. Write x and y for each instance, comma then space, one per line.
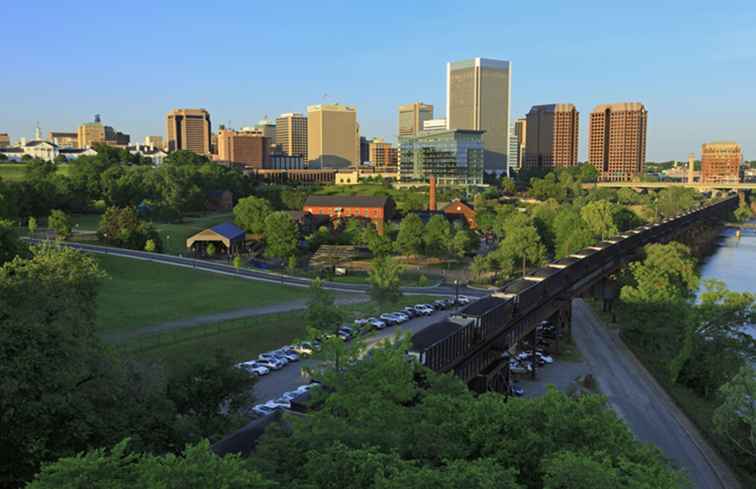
412, 117
720, 162
291, 134
188, 129
90, 133
521, 130
552, 136
333, 136
247, 148
478, 93
617, 141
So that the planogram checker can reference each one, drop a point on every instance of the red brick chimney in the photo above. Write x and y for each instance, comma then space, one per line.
432, 194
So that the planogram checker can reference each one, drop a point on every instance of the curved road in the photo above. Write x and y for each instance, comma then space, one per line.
277, 278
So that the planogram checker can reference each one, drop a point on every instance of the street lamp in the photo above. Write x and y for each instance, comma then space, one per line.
456, 291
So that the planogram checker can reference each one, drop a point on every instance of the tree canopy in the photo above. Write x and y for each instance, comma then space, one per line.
250, 213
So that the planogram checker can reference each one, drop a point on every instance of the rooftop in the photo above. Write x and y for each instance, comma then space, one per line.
482, 306
434, 333
228, 230
346, 201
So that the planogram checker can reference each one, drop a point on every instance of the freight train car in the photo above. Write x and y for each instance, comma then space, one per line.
442, 343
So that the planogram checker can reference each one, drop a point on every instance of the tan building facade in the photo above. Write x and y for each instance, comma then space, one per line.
248, 148
333, 136
154, 141
90, 133
412, 118
617, 141
5, 141
383, 154
291, 134
64, 139
189, 129
551, 136
720, 162
478, 93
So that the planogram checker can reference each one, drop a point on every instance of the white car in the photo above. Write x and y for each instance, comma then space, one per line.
547, 359
271, 364
463, 299
302, 349
423, 309
264, 409
291, 395
402, 316
520, 367
280, 402
255, 368
271, 356
361, 322
377, 323
288, 355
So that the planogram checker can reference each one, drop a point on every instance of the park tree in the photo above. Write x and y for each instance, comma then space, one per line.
124, 186
503, 214
293, 199
378, 244
60, 222
521, 246
180, 188
237, 262
281, 235
674, 200
31, 224
507, 185
211, 250
385, 279
463, 243
10, 245
735, 419
150, 246
437, 236
743, 212
122, 227
628, 196
198, 389
571, 232
599, 215
185, 157
250, 213
409, 241
666, 274
323, 315
123, 467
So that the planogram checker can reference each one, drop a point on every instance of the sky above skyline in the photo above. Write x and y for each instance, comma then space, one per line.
693, 64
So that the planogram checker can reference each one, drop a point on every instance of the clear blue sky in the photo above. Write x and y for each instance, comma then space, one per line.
692, 63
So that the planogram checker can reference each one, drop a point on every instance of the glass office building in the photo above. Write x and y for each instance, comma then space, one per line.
454, 157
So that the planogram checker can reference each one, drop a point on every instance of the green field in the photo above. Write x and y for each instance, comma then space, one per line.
140, 293
242, 339
173, 235
15, 171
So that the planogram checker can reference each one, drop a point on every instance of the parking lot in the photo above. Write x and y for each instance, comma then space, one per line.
287, 379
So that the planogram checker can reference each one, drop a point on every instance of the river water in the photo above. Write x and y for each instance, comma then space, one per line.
734, 262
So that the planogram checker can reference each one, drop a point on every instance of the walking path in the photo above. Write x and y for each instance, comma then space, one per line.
644, 405
295, 305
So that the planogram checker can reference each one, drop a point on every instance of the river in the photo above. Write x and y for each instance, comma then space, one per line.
734, 262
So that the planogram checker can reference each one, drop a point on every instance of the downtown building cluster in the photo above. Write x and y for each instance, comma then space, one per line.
476, 136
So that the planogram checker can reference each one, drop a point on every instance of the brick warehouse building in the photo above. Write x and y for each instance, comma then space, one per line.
378, 209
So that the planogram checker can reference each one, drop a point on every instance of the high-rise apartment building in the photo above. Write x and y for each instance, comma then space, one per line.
617, 141
383, 154
521, 131
63, 139
720, 162
364, 149
333, 136
154, 141
514, 150
552, 136
248, 148
291, 134
434, 125
478, 93
412, 117
189, 129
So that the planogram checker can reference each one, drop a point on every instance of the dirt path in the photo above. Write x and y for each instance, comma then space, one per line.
297, 305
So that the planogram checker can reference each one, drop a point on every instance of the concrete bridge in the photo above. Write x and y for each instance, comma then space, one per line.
701, 187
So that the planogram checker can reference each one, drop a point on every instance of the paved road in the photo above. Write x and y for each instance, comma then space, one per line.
213, 267
643, 404
289, 378
294, 305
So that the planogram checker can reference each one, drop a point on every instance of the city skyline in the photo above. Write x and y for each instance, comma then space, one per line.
674, 72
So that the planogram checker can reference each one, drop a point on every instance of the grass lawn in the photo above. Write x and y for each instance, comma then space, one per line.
140, 293
242, 339
15, 171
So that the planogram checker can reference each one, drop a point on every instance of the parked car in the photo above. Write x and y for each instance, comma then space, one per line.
410, 311
389, 318
273, 356
361, 322
307, 387
463, 300
423, 309
345, 333
520, 367
291, 356
271, 363
291, 395
303, 349
402, 316
264, 409
254, 368
280, 402
377, 323
440, 304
